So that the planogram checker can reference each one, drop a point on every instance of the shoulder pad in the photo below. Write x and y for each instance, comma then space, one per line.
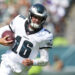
44, 32
47, 30
18, 18
21, 16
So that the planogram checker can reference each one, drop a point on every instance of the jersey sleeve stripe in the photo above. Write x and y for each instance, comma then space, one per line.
44, 47
10, 28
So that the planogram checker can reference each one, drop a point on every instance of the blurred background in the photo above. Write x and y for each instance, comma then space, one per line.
60, 21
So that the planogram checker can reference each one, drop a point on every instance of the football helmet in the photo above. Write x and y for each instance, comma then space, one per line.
40, 11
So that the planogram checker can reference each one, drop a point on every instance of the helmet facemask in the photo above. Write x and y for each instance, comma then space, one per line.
36, 25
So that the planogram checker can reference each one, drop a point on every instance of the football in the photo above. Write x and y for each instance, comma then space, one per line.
10, 33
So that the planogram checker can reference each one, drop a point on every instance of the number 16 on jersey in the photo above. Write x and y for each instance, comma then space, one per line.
25, 49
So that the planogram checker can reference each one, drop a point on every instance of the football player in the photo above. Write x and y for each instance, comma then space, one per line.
30, 39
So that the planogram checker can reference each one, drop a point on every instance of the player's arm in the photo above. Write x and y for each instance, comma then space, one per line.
44, 46
43, 60
3, 40
10, 27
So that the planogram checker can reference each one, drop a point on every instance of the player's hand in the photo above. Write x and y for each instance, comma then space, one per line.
3, 41
27, 62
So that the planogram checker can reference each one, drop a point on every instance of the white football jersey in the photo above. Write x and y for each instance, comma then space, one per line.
27, 46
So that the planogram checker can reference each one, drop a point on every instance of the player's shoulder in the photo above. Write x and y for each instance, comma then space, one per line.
18, 18
45, 34
46, 31
21, 17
